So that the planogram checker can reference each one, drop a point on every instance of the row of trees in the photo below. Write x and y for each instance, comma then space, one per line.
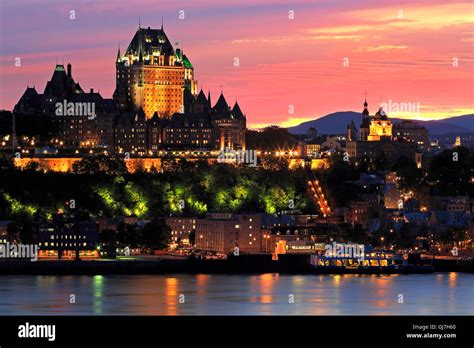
100, 186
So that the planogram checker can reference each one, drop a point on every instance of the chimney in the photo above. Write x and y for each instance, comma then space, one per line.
69, 69
92, 90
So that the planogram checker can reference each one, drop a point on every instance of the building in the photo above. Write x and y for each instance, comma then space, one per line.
229, 125
181, 228
68, 237
351, 131
290, 233
313, 148
358, 213
131, 133
189, 131
377, 141
333, 143
380, 127
82, 119
152, 75
451, 203
155, 106
412, 131
392, 197
200, 127
223, 232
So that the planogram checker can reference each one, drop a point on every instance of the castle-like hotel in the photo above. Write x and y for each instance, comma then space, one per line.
156, 105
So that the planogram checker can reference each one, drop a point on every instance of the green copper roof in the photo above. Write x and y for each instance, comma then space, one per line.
186, 62
59, 67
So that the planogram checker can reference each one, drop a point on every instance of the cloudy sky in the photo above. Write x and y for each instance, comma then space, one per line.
298, 60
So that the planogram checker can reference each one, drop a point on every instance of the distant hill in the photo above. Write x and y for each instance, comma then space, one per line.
337, 122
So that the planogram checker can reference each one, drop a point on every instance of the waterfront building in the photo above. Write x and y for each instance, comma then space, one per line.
181, 228
67, 237
223, 232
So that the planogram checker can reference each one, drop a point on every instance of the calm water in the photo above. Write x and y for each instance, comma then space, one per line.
430, 294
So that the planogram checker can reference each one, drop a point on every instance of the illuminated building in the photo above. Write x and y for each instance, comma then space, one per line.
222, 232
376, 141
458, 141
380, 127
229, 125
131, 133
181, 228
75, 130
67, 236
200, 127
312, 148
152, 75
155, 105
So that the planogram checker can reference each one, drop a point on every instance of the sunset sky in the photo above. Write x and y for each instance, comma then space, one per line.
396, 50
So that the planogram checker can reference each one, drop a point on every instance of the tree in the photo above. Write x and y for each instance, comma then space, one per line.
270, 139
99, 164
156, 234
410, 175
450, 172
127, 235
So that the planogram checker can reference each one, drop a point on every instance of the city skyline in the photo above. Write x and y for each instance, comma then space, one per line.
276, 54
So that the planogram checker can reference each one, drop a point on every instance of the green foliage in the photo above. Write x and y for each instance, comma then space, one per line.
202, 188
450, 172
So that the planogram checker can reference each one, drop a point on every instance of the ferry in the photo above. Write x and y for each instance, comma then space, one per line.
377, 261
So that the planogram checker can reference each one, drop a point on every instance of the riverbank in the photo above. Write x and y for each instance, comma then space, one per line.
244, 264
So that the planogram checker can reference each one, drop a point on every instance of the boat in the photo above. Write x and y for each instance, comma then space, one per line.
377, 261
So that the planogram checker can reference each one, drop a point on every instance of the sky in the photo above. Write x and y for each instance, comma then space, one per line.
285, 62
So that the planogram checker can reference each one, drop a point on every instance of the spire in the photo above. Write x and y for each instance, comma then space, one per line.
118, 53
209, 97
139, 25
365, 113
237, 111
161, 23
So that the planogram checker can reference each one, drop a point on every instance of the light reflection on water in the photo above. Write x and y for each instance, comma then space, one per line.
428, 294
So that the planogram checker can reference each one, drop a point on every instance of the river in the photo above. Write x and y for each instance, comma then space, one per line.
268, 294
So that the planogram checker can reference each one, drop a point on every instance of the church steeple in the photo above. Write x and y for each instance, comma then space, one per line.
365, 113
118, 54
